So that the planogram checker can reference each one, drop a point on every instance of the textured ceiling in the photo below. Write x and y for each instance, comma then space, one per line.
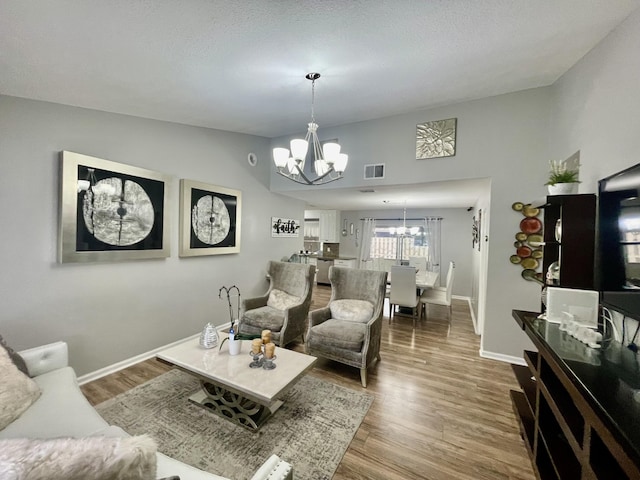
240, 65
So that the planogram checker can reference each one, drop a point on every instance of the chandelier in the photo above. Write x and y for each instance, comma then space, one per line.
329, 164
403, 231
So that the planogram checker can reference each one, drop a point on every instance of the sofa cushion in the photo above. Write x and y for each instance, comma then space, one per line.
95, 458
17, 391
15, 357
351, 310
281, 300
265, 318
345, 335
74, 416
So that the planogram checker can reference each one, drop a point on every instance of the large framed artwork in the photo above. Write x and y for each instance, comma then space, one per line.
210, 219
110, 211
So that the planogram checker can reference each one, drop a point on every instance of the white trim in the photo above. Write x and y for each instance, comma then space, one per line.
502, 358
473, 316
90, 377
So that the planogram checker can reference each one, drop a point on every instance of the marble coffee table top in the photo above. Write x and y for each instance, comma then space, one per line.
233, 371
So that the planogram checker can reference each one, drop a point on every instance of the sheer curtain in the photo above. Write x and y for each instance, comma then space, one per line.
364, 251
432, 228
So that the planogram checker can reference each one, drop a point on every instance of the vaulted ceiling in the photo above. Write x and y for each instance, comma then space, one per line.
240, 65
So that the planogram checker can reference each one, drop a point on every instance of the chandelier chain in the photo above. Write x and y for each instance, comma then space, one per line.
313, 100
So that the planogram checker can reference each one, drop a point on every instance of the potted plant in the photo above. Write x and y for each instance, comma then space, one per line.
562, 179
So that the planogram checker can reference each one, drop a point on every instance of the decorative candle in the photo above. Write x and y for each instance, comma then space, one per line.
266, 336
256, 346
269, 350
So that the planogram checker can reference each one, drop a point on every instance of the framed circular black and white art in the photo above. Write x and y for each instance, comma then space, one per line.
210, 219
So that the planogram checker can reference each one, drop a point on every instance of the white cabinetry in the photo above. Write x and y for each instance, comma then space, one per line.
345, 263
329, 226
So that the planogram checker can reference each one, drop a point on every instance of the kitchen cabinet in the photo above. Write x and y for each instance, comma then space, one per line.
325, 222
329, 226
350, 263
322, 272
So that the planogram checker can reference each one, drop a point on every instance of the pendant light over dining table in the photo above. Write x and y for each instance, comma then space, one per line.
328, 163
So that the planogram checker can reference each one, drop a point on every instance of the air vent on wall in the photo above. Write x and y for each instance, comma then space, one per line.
374, 171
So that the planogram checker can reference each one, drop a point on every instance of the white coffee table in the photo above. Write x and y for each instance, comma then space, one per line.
230, 388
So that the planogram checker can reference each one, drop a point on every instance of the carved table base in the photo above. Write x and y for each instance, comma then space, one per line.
233, 406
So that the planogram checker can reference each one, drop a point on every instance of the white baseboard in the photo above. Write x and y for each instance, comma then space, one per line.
473, 316
90, 377
503, 358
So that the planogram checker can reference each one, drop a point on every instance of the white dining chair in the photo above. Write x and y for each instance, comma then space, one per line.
419, 262
439, 295
403, 290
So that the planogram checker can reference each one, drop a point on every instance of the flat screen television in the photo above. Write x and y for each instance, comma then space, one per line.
618, 240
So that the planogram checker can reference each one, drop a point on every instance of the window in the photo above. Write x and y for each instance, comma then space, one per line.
385, 244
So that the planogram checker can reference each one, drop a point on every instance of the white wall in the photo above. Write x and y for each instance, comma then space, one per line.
479, 261
456, 239
597, 105
113, 311
596, 111
504, 138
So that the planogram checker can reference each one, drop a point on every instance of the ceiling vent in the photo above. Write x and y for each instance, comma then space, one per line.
374, 171
367, 190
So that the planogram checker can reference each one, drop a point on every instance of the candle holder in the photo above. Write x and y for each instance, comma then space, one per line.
257, 360
268, 363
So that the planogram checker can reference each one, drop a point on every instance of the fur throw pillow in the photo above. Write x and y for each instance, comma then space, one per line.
281, 300
89, 458
15, 357
17, 391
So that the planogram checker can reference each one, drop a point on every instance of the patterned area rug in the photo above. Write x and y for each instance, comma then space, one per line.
312, 430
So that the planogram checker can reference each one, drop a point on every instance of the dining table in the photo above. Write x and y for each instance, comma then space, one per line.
424, 279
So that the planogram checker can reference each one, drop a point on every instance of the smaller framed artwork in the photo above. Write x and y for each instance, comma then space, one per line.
476, 230
436, 139
111, 211
210, 219
284, 227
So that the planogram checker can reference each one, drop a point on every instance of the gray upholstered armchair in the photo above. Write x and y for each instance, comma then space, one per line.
285, 306
349, 328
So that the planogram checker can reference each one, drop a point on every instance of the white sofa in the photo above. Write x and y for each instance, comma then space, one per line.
63, 411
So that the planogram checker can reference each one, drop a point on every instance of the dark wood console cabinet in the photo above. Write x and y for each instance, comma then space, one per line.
576, 248
579, 408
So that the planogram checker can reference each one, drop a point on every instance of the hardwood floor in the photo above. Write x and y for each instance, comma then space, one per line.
440, 411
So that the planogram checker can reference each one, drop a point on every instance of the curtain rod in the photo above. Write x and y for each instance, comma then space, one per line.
411, 219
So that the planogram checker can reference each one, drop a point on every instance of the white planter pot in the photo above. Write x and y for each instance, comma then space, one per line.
563, 188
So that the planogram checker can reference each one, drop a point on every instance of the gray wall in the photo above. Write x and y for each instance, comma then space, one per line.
456, 239
113, 311
504, 138
597, 105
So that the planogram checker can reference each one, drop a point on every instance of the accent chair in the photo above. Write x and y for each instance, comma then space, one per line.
283, 309
349, 328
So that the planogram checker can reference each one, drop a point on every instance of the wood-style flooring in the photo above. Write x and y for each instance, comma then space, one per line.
440, 411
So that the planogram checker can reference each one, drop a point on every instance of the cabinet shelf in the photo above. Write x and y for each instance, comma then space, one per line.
527, 383
563, 457
570, 422
525, 419
575, 253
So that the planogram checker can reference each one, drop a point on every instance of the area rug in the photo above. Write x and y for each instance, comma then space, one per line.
312, 430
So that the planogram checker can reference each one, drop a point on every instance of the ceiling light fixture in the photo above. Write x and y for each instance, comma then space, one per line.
403, 231
329, 164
